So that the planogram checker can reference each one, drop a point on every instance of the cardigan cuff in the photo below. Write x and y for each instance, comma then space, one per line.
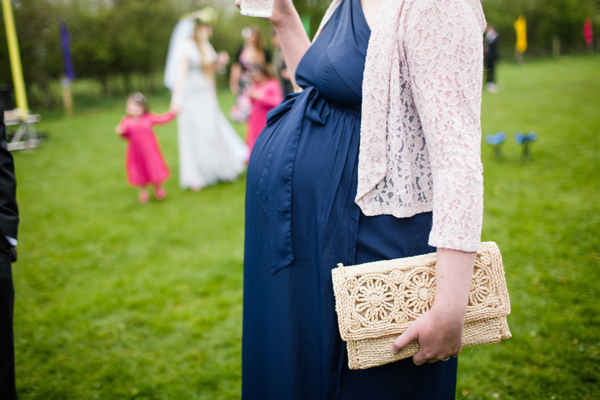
452, 244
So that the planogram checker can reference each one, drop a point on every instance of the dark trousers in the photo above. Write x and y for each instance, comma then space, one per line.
490, 65
8, 390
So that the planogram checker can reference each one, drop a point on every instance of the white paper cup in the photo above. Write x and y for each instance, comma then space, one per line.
257, 8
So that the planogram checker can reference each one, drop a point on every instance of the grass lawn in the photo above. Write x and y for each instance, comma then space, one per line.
118, 301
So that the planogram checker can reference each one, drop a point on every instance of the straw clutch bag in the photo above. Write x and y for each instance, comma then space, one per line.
376, 302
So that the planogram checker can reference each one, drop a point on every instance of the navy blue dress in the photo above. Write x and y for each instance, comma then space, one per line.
301, 220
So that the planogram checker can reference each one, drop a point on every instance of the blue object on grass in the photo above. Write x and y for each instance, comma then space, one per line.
525, 139
496, 140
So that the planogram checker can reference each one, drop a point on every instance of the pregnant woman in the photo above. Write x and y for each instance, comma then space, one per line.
377, 158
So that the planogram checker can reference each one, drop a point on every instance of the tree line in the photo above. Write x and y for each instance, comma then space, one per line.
548, 22
129, 38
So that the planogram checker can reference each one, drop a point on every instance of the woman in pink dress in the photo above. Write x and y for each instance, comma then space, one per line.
144, 161
588, 34
265, 93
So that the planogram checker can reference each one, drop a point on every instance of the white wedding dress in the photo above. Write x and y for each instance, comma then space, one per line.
209, 149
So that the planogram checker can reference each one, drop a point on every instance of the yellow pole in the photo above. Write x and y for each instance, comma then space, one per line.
67, 96
15, 58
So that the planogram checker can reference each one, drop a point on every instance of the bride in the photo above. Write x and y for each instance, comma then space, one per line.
209, 148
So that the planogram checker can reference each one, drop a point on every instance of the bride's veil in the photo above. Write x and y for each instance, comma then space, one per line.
183, 31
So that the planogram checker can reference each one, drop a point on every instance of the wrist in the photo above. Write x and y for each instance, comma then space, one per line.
454, 271
449, 310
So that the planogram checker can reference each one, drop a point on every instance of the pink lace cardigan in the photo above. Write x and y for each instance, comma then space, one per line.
421, 135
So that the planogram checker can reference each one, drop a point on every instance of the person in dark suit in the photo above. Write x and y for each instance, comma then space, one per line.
9, 220
491, 56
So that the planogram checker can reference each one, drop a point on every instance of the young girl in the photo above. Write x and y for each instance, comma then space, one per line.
144, 163
265, 93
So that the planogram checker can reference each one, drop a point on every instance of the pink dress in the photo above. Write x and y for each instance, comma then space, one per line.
588, 33
271, 96
144, 161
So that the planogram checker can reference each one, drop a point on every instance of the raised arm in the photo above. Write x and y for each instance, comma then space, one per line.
292, 36
211, 60
444, 49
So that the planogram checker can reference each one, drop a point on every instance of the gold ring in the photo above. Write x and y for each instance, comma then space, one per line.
446, 359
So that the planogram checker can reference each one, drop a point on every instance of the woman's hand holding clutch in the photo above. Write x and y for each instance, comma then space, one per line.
439, 335
439, 331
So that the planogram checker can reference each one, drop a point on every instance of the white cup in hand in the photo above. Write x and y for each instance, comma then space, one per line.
257, 8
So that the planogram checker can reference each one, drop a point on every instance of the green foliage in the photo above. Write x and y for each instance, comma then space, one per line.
37, 35
117, 300
121, 38
92, 53
124, 38
561, 19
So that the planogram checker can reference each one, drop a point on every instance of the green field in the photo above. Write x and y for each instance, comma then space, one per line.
117, 300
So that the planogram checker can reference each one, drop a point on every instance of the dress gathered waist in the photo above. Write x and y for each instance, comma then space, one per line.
275, 186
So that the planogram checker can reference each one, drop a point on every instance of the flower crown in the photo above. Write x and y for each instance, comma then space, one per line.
207, 15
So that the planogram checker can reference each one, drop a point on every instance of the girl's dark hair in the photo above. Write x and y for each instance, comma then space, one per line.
141, 100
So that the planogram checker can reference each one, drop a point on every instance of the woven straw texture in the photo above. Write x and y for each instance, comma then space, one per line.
376, 302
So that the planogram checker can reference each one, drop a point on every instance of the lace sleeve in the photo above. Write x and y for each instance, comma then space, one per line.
444, 49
